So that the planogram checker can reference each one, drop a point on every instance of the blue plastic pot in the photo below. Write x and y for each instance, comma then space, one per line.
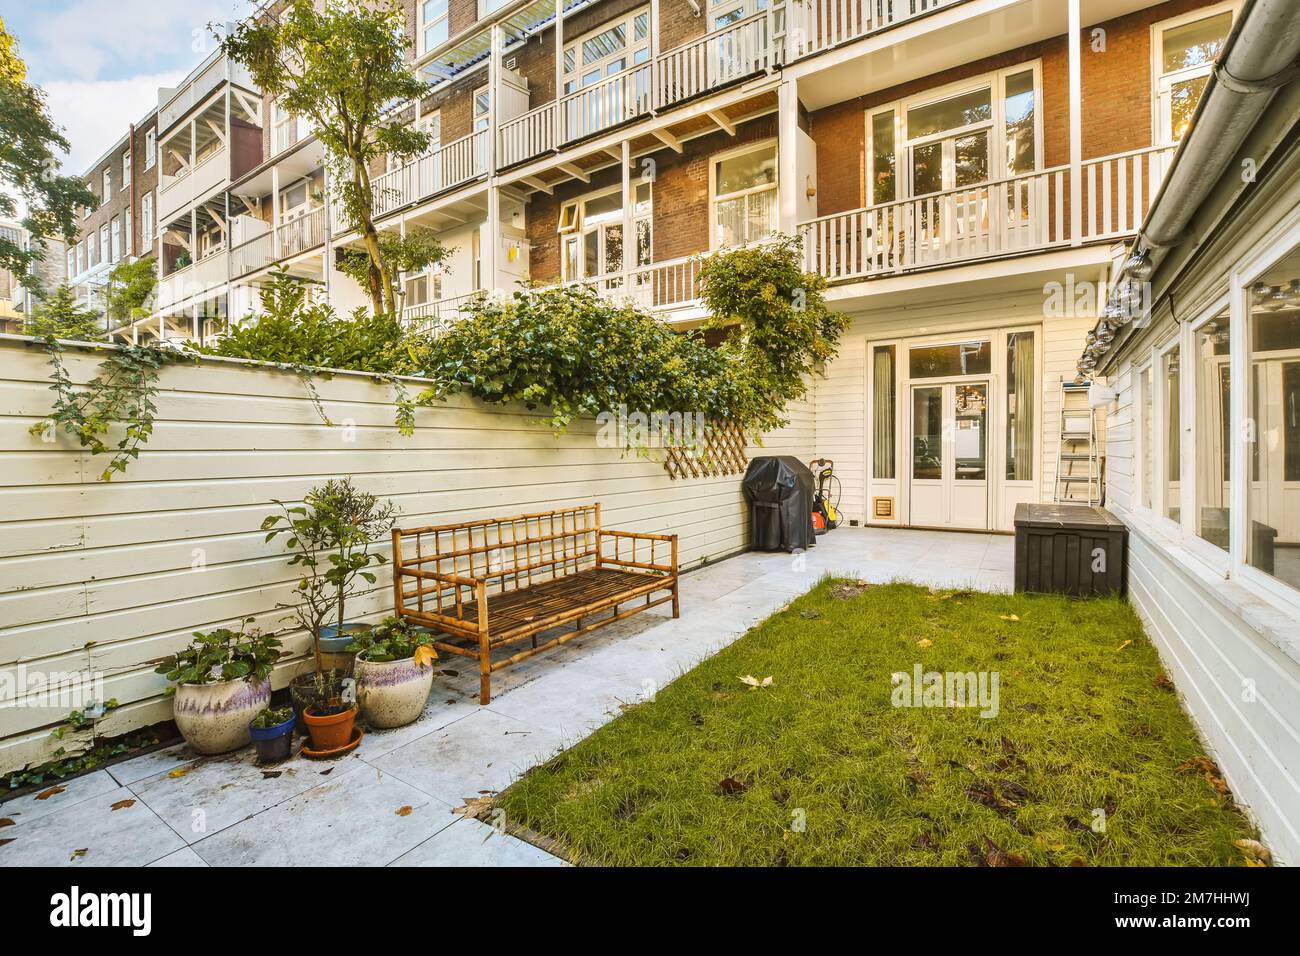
273, 743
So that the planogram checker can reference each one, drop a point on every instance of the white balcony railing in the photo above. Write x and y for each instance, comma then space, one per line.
724, 56
604, 105
436, 317
209, 273
1023, 213
528, 135
817, 25
299, 235
449, 165
256, 253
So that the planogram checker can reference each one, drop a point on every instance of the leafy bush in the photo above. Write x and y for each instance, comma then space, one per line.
60, 317
272, 718
222, 655
291, 332
392, 639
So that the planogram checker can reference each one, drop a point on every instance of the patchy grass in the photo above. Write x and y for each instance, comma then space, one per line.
714, 771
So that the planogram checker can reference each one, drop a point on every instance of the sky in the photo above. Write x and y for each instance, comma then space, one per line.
101, 62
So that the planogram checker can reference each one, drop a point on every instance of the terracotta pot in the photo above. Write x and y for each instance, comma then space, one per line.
214, 718
303, 693
392, 693
329, 732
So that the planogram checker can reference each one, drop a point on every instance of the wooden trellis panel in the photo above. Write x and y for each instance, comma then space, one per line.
723, 454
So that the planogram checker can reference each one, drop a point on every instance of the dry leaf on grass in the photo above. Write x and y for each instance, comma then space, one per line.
1163, 682
1009, 617
925, 642
46, 794
1208, 769
732, 787
754, 683
1255, 851
122, 805
1124, 645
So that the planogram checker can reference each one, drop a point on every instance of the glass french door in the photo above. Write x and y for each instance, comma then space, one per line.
958, 167
949, 470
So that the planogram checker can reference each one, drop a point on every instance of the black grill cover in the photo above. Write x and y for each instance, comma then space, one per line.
779, 489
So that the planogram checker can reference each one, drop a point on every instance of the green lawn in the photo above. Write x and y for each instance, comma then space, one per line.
818, 768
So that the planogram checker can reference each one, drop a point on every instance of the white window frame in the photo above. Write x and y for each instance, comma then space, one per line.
996, 81
81, 258
714, 198
1159, 448
480, 121
290, 213
574, 211
146, 219
104, 247
115, 239
1285, 239
106, 180
1216, 559
423, 25
1161, 82
126, 168
150, 149
128, 233
1143, 392
628, 53
488, 7
283, 130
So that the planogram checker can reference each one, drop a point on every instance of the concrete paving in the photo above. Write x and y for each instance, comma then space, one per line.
392, 801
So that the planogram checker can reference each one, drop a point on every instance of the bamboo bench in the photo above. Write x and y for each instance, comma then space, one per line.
496, 582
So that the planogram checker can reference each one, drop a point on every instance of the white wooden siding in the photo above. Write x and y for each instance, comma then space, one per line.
110, 576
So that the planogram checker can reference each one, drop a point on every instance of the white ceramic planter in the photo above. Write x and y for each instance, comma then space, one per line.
392, 693
214, 718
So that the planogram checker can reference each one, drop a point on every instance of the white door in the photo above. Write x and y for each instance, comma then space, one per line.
948, 477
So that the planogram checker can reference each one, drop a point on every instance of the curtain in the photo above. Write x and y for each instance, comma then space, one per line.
882, 424
1021, 426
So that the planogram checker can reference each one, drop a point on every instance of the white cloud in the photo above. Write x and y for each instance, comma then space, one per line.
97, 114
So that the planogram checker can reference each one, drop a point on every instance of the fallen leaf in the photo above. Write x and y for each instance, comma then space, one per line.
1254, 850
425, 656
78, 854
755, 683
7, 822
180, 771
1009, 617
122, 805
404, 811
1209, 770
7, 840
475, 808
1250, 862
999, 857
1163, 682
1124, 645
271, 774
327, 771
731, 787
46, 794
447, 673
925, 642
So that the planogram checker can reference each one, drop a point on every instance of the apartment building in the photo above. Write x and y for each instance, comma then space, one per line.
16, 300
963, 172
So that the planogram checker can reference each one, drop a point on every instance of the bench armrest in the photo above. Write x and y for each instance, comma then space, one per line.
649, 558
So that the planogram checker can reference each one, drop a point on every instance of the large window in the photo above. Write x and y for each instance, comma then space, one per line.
1211, 351
150, 149
1184, 50
983, 130
1273, 531
745, 204
104, 244
433, 24
591, 233
607, 51
1171, 470
1020, 406
116, 238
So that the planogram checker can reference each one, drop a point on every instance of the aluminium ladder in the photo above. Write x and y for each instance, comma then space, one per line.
1079, 465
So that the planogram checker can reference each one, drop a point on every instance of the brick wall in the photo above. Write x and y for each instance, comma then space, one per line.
680, 197
678, 24
145, 182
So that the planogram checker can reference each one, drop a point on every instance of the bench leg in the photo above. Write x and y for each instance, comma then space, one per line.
484, 649
677, 604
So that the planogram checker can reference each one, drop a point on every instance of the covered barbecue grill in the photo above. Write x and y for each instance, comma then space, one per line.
779, 489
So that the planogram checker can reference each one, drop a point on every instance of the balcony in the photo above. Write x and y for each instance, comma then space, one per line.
301, 234
818, 25
209, 273
176, 192
435, 317
448, 166
248, 257
1013, 216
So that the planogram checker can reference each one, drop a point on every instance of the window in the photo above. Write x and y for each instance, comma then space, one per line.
945, 361
591, 233
1273, 333
126, 169
482, 108
883, 412
1211, 352
150, 149
146, 219
1145, 410
293, 201
1172, 466
490, 6
607, 51
745, 204
1184, 50
128, 233
116, 232
107, 188
1020, 406
422, 288
986, 129
103, 244
81, 258
283, 129
433, 24
72, 263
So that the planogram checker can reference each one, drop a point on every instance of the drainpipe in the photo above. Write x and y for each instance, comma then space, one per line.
1261, 56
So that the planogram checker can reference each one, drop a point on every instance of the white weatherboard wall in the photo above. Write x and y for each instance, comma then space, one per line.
111, 576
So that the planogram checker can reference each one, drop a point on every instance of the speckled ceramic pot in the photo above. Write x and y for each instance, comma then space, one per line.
392, 693
214, 718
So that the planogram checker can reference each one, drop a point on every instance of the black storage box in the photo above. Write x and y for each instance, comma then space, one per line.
779, 489
1070, 549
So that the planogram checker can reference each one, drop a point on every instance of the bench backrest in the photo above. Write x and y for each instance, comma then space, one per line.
506, 553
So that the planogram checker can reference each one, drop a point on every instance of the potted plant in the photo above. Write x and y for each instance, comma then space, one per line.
272, 733
329, 535
394, 672
221, 681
